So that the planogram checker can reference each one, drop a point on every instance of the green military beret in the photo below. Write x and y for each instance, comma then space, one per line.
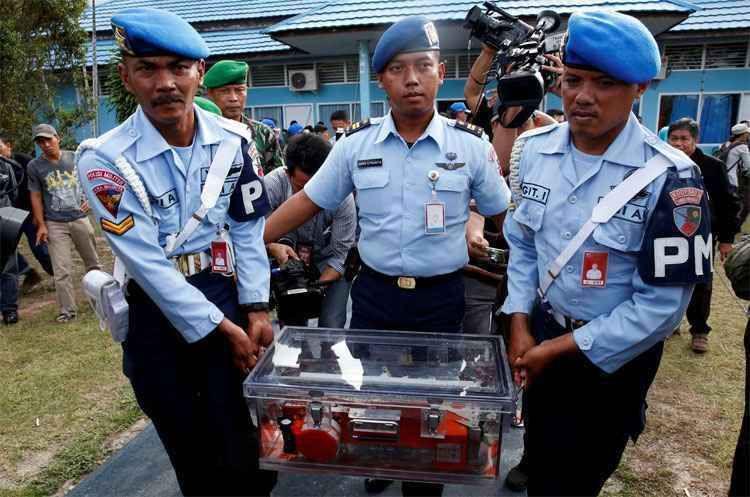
226, 72
207, 105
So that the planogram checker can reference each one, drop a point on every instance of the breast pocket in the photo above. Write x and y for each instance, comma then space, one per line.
620, 235
371, 190
530, 214
452, 190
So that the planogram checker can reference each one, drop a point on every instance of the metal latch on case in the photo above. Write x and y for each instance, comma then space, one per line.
316, 413
433, 420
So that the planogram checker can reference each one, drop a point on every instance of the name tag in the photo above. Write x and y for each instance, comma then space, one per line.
167, 199
370, 163
537, 193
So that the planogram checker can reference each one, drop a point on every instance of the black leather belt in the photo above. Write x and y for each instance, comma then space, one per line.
411, 282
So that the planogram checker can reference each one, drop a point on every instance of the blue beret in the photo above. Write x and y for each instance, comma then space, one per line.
269, 122
144, 32
295, 129
615, 44
459, 107
413, 34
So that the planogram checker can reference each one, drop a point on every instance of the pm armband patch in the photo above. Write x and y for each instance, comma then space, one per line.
248, 199
678, 246
120, 228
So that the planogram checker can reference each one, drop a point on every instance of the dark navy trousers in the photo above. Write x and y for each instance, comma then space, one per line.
578, 418
438, 307
193, 395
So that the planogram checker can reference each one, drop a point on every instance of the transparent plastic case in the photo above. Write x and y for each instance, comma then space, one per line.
397, 405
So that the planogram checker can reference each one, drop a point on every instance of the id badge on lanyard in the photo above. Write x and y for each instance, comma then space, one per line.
434, 209
221, 255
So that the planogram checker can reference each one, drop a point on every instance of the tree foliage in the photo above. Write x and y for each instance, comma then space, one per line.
42, 50
118, 98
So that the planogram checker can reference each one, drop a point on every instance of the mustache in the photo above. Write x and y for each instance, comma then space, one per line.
166, 99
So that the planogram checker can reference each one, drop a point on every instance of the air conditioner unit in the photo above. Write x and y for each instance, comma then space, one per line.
303, 80
663, 73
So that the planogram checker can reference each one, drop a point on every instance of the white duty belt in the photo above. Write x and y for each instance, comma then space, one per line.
603, 212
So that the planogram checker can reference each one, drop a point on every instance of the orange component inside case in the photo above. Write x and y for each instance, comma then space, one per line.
319, 444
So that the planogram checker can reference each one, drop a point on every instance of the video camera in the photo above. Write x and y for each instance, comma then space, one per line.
520, 57
295, 289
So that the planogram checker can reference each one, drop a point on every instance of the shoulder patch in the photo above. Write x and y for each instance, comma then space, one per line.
120, 228
469, 128
358, 126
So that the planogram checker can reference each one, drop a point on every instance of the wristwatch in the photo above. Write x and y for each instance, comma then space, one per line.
254, 307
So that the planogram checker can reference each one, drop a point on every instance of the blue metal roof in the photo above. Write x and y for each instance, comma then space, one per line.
717, 14
355, 13
225, 42
202, 10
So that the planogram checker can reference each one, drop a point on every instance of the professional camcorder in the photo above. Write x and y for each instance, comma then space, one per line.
520, 57
295, 289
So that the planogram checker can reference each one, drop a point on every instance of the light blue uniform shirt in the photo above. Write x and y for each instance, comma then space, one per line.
626, 316
392, 186
174, 190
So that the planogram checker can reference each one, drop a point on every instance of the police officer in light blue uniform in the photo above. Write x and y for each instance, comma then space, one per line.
193, 332
414, 174
588, 350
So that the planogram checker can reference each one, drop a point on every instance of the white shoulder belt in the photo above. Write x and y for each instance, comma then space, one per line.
603, 212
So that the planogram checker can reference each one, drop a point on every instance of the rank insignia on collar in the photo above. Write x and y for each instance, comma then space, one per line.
110, 196
450, 166
687, 218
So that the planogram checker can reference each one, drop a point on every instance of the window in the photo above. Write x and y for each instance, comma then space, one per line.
726, 55
275, 112
377, 109
272, 75
674, 107
708, 56
716, 112
464, 64
684, 56
325, 111
331, 72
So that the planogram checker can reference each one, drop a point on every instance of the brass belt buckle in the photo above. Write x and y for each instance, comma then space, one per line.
406, 282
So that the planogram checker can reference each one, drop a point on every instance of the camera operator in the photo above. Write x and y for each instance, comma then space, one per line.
325, 239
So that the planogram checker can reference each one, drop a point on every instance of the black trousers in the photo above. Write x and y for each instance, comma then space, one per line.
579, 418
740, 483
193, 395
381, 305
699, 308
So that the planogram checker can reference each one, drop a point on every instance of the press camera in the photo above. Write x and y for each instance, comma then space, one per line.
520, 57
295, 289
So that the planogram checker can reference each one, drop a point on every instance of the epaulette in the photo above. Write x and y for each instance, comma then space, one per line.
111, 144
358, 126
678, 158
235, 127
469, 128
538, 131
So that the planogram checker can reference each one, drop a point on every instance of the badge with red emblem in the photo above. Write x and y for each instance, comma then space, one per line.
687, 218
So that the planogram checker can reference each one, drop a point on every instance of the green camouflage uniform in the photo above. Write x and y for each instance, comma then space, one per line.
267, 145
